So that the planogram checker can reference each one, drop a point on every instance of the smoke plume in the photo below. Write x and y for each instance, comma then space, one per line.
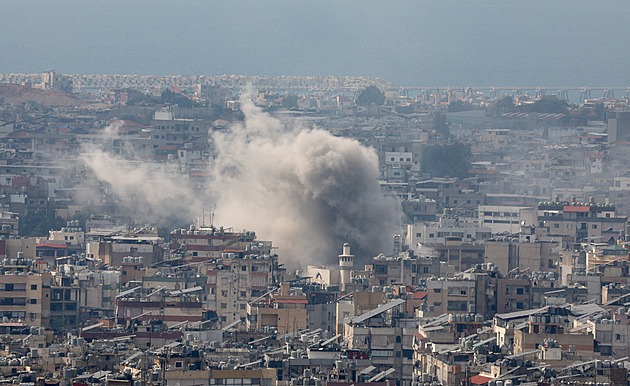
145, 190
304, 189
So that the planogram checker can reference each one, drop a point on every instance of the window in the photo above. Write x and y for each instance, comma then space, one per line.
556, 226
380, 269
519, 291
223, 305
594, 226
418, 234
243, 294
437, 290
33, 286
33, 301
244, 268
431, 235
457, 305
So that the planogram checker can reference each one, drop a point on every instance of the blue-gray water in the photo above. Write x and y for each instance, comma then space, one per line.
413, 43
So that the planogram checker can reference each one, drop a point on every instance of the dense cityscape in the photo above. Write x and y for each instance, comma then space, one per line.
244, 230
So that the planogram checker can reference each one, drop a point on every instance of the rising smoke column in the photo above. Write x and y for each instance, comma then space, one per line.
148, 191
306, 190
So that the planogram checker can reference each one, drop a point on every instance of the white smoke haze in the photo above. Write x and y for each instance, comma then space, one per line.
149, 190
304, 189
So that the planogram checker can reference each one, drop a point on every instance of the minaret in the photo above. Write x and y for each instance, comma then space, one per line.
346, 263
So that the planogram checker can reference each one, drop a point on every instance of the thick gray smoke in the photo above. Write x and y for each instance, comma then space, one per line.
306, 190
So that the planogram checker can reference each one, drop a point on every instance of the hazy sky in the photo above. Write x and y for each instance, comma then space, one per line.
413, 43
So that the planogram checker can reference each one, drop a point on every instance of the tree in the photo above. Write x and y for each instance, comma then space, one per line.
290, 101
504, 105
405, 109
440, 125
459, 106
371, 95
39, 223
446, 160
138, 98
170, 97
546, 105
599, 112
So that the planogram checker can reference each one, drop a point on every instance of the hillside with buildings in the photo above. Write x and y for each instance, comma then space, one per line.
172, 230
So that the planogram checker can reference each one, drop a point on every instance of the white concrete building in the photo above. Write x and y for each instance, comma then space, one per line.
501, 218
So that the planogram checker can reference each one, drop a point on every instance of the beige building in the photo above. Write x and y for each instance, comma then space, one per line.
262, 377
284, 312
535, 256
25, 245
454, 296
547, 327
26, 297
234, 282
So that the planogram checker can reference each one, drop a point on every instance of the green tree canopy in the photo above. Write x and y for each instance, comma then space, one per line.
439, 124
173, 98
290, 101
546, 105
451, 160
371, 95
459, 106
39, 223
504, 105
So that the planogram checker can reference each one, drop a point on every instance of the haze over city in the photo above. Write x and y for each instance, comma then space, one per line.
282, 193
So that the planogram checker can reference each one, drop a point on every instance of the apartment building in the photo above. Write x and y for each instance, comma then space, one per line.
284, 312
235, 280
578, 221
25, 295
